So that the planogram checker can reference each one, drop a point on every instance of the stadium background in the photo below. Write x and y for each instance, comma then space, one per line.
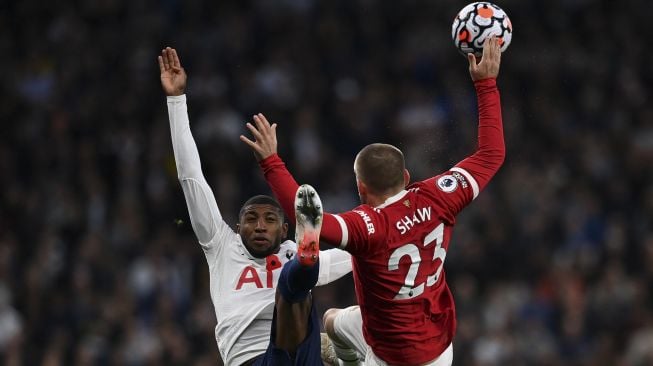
552, 265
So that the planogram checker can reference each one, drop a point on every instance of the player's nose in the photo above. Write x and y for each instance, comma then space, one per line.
260, 225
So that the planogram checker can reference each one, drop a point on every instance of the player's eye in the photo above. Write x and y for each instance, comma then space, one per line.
250, 218
271, 219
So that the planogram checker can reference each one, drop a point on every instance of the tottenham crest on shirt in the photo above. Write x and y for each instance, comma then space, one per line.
447, 183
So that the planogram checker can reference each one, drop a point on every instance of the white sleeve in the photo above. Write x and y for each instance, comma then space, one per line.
203, 209
334, 263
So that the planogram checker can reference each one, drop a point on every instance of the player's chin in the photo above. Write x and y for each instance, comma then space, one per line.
261, 248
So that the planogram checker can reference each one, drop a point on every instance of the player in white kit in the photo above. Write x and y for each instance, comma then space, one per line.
260, 290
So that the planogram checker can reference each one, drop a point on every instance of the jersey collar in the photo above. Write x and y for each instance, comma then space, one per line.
393, 199
243, 250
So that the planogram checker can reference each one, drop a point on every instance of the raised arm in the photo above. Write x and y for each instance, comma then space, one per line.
491, 151
281, 182
202, 207
264, 146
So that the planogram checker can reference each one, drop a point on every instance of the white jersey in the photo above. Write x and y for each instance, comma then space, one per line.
242, 287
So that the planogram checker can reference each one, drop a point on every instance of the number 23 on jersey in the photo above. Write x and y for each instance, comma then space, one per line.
409, 290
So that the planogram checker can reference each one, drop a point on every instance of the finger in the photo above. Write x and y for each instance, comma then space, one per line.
249, 142
258, 152
265, 120
175, 58
255, 132
498, 57
487, 45
496, 49
262, 125
171, 59
472, 61
161, 67
164, 56
274, 133
487, 42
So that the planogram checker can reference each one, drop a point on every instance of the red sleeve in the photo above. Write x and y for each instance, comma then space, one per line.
477, 169
360, 228
284, 187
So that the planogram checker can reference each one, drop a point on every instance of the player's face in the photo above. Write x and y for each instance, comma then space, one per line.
262, 229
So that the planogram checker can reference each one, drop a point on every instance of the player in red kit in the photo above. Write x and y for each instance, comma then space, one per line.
400, 235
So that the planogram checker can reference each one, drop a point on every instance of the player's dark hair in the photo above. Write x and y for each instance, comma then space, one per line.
380, 167
261, 200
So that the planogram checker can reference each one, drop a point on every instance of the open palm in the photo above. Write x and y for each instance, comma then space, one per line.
173, 76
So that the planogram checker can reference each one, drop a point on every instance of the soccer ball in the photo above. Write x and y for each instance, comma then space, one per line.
477, 21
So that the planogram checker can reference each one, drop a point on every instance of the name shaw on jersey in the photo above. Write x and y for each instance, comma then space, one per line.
419, 216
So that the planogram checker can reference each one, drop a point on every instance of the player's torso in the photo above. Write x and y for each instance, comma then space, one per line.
243, 291
409, 262
400, 285
243, 276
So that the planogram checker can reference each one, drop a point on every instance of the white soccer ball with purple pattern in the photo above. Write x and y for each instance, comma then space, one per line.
477, 21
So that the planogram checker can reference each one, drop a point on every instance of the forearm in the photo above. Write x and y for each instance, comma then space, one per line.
490, 154
281, 182
187, 158
284, 187
202, 207
334, 263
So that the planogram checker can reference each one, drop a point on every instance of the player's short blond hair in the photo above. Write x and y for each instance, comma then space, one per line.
381, 168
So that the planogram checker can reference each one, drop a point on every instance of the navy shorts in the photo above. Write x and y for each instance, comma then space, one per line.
308, 352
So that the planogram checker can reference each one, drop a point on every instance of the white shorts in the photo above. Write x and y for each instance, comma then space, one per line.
348, 326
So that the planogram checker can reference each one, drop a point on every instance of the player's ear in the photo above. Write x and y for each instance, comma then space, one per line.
284, 230
406, 177
362, 189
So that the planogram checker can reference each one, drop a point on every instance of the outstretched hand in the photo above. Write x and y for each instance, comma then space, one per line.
173, 76
265, 137
490, 61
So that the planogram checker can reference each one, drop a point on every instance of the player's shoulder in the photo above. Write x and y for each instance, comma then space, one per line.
446, 182
364, 217
288, 245
366, 212
287, 250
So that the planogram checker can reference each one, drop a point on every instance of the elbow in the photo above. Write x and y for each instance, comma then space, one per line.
495, 157
501, 156
186, 174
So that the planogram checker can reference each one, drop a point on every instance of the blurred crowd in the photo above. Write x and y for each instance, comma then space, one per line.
551, 265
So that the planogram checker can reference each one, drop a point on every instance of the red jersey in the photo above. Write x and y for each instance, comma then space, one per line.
398, 248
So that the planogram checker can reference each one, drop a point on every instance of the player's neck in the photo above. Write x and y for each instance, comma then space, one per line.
375, 201
378, 200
